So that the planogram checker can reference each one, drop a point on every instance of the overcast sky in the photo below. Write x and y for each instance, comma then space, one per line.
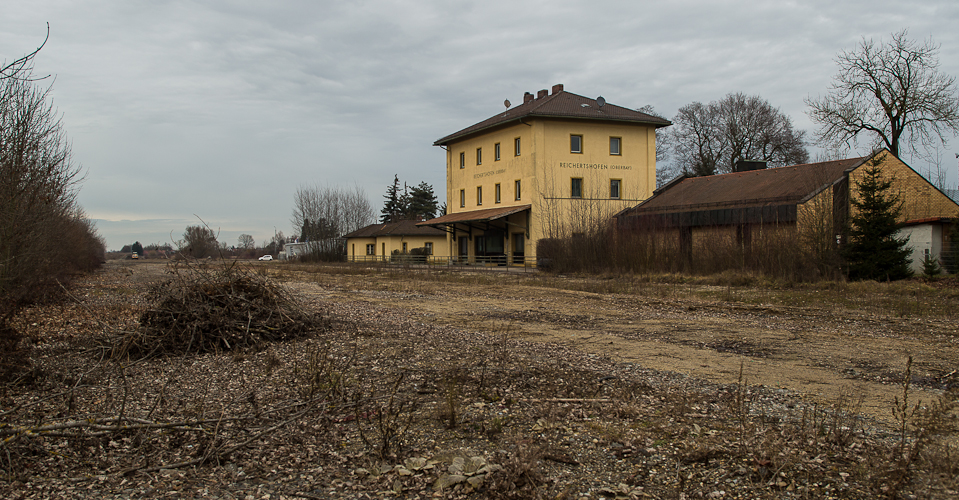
220, 110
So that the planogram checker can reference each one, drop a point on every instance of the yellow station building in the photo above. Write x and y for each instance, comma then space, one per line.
556, 165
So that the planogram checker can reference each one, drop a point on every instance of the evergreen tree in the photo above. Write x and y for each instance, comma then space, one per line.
422, 202
394, 207
874, 252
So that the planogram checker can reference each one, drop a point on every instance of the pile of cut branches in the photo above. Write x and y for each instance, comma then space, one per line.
210, 309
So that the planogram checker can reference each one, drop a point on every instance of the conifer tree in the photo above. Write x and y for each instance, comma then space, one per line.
422, 202
394, 207
874, 252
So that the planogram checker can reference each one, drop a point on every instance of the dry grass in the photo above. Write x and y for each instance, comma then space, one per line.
385, 404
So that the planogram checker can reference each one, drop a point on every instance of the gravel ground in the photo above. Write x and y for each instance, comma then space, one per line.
392, 402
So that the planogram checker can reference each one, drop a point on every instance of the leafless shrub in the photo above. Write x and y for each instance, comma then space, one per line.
44, 235
324, 374
448, 409
520, 476
918, 428
384, 417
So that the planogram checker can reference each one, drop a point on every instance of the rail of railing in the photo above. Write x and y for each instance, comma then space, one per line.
494, 262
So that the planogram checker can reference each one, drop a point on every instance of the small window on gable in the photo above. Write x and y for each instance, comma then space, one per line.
496, 152
516, 149
615, 146
462, 160
479, 156
575, 144
576, 187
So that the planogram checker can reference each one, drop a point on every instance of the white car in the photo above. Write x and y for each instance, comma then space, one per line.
267, 257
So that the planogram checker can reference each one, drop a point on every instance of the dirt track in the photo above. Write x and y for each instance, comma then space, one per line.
825, 353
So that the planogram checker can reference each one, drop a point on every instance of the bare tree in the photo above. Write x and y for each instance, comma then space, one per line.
198, 242
22, 67
710, 138
246, 241
44, 235
893, 92
324, 214
38, 186
665, 171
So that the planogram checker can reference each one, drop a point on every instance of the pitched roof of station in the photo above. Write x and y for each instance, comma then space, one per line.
558, 104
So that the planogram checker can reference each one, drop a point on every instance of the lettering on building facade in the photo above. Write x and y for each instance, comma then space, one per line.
489, 173
594, 166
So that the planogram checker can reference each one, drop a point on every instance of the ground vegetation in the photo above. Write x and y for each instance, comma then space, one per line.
496, 385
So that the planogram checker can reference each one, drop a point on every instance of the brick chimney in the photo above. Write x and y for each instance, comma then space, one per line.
748, 165
527, 97
542, 93
557, 88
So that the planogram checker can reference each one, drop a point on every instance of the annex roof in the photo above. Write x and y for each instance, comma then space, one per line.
401, 228
487, 214
559, 104
774, 186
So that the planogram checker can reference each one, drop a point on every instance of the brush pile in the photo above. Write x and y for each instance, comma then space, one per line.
215, 309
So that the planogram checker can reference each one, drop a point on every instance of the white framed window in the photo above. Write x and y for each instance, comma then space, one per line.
616, 146
516, 148
479, 195
479, 156
615, 188
497, 193
519, 190
576, 144
496, 152
371, 249
429, 247
576, 187
463, 160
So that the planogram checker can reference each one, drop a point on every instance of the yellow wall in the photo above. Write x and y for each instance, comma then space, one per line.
920, 199
396, 243
391, 243
545, 168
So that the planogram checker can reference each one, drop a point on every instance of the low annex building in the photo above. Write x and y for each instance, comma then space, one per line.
381, 242
549, 167
748, 202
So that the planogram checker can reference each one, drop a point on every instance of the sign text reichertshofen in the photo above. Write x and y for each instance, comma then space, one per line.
595, 166
489, 173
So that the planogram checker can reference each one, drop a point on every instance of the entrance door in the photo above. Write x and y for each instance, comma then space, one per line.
491, 247
519, 248
464, 248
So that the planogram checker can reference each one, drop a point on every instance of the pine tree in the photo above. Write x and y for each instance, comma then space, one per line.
394, 208
422, 202
874, 252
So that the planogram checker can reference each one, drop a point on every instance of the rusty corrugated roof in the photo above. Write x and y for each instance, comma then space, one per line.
560, 104
779, 186
475, 215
